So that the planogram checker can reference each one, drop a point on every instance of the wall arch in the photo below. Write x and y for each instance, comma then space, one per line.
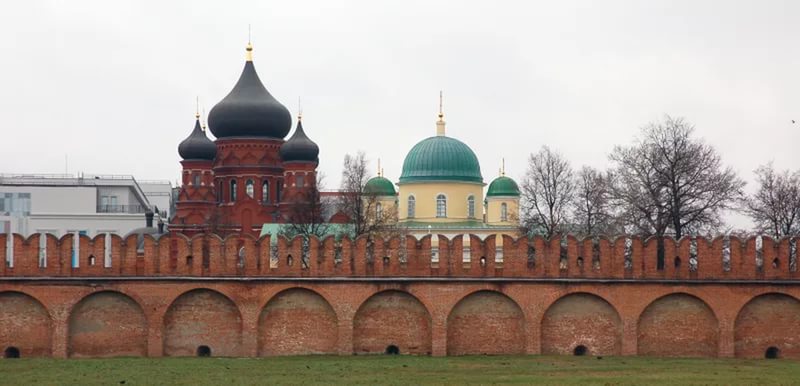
486, 322
581, 319
392, 318
678, 325
107, 324
297, 321
25, 324
769, 320
202, 317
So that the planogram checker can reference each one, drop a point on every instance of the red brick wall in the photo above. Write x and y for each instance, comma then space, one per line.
581, 319
106, 324
486, 322
203, 317
392, 318
356, 305
678, 325
768, 320
24, 324
297, 321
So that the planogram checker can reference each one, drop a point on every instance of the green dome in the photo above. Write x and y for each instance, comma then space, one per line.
379, 186
503, 186
441, 158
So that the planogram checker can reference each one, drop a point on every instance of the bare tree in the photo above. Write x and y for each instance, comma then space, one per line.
592, 209
352, 200
669, 181
775, 206
305, 213
547, 191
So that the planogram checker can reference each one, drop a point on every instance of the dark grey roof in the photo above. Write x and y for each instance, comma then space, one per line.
299, 147
197, 145
249, 110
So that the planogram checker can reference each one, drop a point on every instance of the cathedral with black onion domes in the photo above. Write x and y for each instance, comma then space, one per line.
249, 174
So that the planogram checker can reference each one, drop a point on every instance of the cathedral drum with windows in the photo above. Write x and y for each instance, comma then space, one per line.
441, 192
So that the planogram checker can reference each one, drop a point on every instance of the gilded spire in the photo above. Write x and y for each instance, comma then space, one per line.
249, 48
380, 174
503, 167
440, 122
197, 108
203, 123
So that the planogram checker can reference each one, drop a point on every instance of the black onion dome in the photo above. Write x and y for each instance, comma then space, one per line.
249, 110
197, 145
299, 147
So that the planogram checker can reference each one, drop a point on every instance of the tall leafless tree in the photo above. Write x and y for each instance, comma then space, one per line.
547, 191
775, 206
354, 201
669, 181
305, 215
592, 208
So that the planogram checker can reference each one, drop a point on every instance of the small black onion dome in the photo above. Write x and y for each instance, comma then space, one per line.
299, 147
249, 110
197, 145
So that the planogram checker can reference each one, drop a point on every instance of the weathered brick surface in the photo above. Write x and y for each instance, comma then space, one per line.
24, 324
203, 318
581, 320
770, 320
392, 318
180, 293
297, 321
486, 322
678, 325
106, 324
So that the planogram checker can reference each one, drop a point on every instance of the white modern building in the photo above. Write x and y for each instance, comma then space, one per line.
83, 204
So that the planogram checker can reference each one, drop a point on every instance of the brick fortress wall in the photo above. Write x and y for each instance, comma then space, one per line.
242, 296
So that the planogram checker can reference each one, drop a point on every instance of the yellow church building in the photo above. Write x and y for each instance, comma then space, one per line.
441, 191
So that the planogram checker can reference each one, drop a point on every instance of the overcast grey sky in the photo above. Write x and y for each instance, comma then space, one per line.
113, 83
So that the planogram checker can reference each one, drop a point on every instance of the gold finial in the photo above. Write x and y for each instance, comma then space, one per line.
440, 122
203, 122
379, 168
249, 48
503, 167
299, 109
441, 111
197, 108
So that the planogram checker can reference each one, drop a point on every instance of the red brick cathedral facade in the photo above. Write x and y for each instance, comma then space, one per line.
250, 175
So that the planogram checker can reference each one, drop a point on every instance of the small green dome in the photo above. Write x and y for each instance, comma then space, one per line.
380, 186
503, 186
441, 158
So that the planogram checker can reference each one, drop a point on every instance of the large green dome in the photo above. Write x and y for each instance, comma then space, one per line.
380, 186
441, 158
503, 186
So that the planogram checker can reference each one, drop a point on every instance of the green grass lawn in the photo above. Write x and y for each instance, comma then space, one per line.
400, 370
